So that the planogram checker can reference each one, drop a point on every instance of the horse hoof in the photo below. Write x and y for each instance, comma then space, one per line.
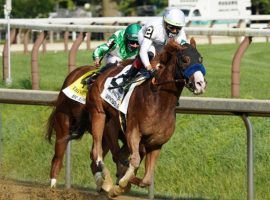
115, 191
53, 182
99, 181
144, 184
127, 188
135, 181
108, 183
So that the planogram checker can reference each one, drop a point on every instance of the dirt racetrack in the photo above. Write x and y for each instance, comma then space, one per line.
14, 190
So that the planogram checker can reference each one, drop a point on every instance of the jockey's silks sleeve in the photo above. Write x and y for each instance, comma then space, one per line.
115, 47
103, 49
146, 44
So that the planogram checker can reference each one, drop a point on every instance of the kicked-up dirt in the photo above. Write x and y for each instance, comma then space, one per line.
14, 190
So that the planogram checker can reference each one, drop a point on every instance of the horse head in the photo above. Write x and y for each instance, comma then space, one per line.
187, 65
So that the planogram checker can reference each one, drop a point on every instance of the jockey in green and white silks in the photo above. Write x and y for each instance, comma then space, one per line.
122, 45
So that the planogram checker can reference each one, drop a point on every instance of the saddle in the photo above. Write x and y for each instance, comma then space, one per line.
118, 96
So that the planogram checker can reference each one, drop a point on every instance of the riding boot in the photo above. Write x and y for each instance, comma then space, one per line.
106, 67
94, 76
130, 74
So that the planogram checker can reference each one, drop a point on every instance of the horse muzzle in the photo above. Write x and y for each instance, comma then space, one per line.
197, 83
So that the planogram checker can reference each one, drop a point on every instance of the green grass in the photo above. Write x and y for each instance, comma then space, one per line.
205, 158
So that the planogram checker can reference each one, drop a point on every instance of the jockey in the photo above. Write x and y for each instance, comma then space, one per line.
152, 38
122, 45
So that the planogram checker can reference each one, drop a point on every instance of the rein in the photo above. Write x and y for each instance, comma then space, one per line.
170, 81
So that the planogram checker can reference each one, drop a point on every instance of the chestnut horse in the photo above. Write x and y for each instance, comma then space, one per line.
150, 120
65, 121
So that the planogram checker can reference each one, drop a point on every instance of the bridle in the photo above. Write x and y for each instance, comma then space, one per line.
182, 72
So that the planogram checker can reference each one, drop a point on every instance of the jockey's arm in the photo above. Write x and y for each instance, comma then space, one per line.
102, 50
145, 46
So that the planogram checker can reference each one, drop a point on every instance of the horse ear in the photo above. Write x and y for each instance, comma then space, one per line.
193, 42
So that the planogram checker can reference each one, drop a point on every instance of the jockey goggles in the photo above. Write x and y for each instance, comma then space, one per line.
132, 42
172, 28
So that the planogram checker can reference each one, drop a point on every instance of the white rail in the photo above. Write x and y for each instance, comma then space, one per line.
110, 28
131, 19
190, 105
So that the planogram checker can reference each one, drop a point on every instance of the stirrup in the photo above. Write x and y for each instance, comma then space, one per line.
90, 79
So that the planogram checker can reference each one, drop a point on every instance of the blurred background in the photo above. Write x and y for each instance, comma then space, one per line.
97, 8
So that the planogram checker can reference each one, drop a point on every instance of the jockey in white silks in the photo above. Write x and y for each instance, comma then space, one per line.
153, 36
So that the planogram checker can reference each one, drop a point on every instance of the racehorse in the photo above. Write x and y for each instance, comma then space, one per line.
65, 119
150, 120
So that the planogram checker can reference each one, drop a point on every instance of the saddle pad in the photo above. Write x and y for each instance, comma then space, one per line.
116, 97
77, 91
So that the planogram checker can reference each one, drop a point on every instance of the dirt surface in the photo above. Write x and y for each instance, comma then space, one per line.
14, 190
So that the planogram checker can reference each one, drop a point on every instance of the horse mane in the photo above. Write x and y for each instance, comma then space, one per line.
169, 52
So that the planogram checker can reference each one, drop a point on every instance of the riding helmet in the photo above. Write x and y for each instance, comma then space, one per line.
174, 20
131, 35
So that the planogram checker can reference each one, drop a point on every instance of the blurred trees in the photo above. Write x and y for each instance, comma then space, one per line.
128, 7
29, 8
42, 8
260, 6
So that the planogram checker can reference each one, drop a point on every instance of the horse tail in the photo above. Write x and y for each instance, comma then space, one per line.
50, 125
82, 126
51, 120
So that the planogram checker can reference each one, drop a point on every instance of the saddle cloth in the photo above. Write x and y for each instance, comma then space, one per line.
116, 96
77, 90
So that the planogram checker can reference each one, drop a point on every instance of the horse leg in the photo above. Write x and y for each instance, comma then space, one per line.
123, 162
98, 123
135, 180
111, 133
150, 161
133, 140
62, 130
103, 179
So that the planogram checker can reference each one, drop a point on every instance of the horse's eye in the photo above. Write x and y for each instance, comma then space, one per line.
186, 59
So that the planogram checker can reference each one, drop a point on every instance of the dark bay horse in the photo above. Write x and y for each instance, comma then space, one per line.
65, 119
151, 113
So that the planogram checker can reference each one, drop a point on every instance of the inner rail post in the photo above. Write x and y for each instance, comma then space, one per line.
34, 59
1, 144
151, 193
73, 51
235, 75
68, 166
250, 155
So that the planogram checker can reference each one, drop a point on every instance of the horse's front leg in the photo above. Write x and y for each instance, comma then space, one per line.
150, 161
98, 123
109, 142
133, 140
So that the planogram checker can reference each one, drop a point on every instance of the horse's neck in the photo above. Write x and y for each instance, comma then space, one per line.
164, 95
169, 93
168, 84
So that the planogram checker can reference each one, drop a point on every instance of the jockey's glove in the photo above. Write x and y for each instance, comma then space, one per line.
152, 72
